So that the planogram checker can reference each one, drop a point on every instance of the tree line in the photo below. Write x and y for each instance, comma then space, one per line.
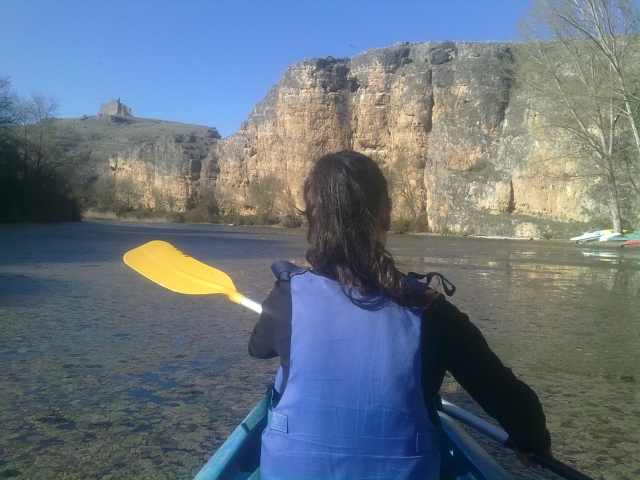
36, 176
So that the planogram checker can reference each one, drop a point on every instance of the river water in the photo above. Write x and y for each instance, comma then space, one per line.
104, 374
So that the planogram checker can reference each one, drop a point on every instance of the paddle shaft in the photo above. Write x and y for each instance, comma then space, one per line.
500, 436
251, 305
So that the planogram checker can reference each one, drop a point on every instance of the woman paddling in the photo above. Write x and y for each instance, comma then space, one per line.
364, 349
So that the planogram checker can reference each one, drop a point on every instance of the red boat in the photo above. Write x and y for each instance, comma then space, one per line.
632, 242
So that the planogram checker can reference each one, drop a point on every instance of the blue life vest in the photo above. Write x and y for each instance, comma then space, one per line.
353, 406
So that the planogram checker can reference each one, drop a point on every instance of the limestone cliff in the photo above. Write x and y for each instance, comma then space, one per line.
444, 118
164, 174
154, 163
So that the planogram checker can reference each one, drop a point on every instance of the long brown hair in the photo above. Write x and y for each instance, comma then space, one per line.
345, 196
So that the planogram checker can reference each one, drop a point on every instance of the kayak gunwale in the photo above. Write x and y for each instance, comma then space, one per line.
461, 456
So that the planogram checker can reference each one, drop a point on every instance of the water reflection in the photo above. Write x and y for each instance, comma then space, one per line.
104, 373
567, 320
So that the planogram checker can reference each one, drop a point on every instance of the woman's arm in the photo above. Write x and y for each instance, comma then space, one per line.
271, 336
466, 354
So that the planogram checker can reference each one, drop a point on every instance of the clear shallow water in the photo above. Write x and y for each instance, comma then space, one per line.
106, 375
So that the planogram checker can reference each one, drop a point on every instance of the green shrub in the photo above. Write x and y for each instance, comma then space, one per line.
291, 221
421, 224
418, 224
401, 225
177, 217
144, 214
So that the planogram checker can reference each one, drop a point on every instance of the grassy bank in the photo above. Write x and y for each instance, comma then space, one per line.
193, 216
482, 224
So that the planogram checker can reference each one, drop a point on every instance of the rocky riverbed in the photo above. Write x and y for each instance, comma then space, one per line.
107, 375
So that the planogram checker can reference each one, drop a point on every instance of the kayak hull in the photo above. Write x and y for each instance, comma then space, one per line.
628, 237
607, 236
590, 236
621, 237
238, 458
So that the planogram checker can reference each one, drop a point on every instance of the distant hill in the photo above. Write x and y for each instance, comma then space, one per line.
100, 137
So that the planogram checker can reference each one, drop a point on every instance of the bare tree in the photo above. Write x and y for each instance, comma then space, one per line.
104, 194
38, 178
580, 60
264, 193
609, 26
406, 185
36, 137
127, 195
7, 106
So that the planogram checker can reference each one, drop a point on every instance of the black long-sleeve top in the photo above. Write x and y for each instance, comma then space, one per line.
455, 344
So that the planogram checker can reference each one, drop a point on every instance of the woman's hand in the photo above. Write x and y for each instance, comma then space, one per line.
526, 459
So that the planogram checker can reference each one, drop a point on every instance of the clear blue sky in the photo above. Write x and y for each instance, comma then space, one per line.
210, 62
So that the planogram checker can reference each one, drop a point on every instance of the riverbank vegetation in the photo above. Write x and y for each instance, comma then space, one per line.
267, 205
36, 177
580, 59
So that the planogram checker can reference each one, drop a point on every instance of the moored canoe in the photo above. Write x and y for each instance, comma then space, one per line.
609, 236
635, 235
632, 242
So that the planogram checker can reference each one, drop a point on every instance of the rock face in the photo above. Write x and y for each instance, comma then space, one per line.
154, 163
378, 103
164, 174
444, 118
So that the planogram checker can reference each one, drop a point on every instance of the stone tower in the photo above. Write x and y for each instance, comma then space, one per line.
114, 107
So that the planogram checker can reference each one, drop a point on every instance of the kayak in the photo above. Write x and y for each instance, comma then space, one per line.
238, 458
626, 236
589, 236
632, 242
609, 236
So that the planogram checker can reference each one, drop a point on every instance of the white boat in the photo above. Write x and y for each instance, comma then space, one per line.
608, 236
590, 236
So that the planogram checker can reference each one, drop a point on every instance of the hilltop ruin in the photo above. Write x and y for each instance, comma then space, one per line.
114, 107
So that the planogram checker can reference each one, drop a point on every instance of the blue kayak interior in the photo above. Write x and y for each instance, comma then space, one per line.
238, 458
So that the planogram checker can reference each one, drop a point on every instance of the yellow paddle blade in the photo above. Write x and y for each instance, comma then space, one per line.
165, 265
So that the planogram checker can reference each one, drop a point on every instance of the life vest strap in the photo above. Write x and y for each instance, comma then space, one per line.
283, 270
449, 288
